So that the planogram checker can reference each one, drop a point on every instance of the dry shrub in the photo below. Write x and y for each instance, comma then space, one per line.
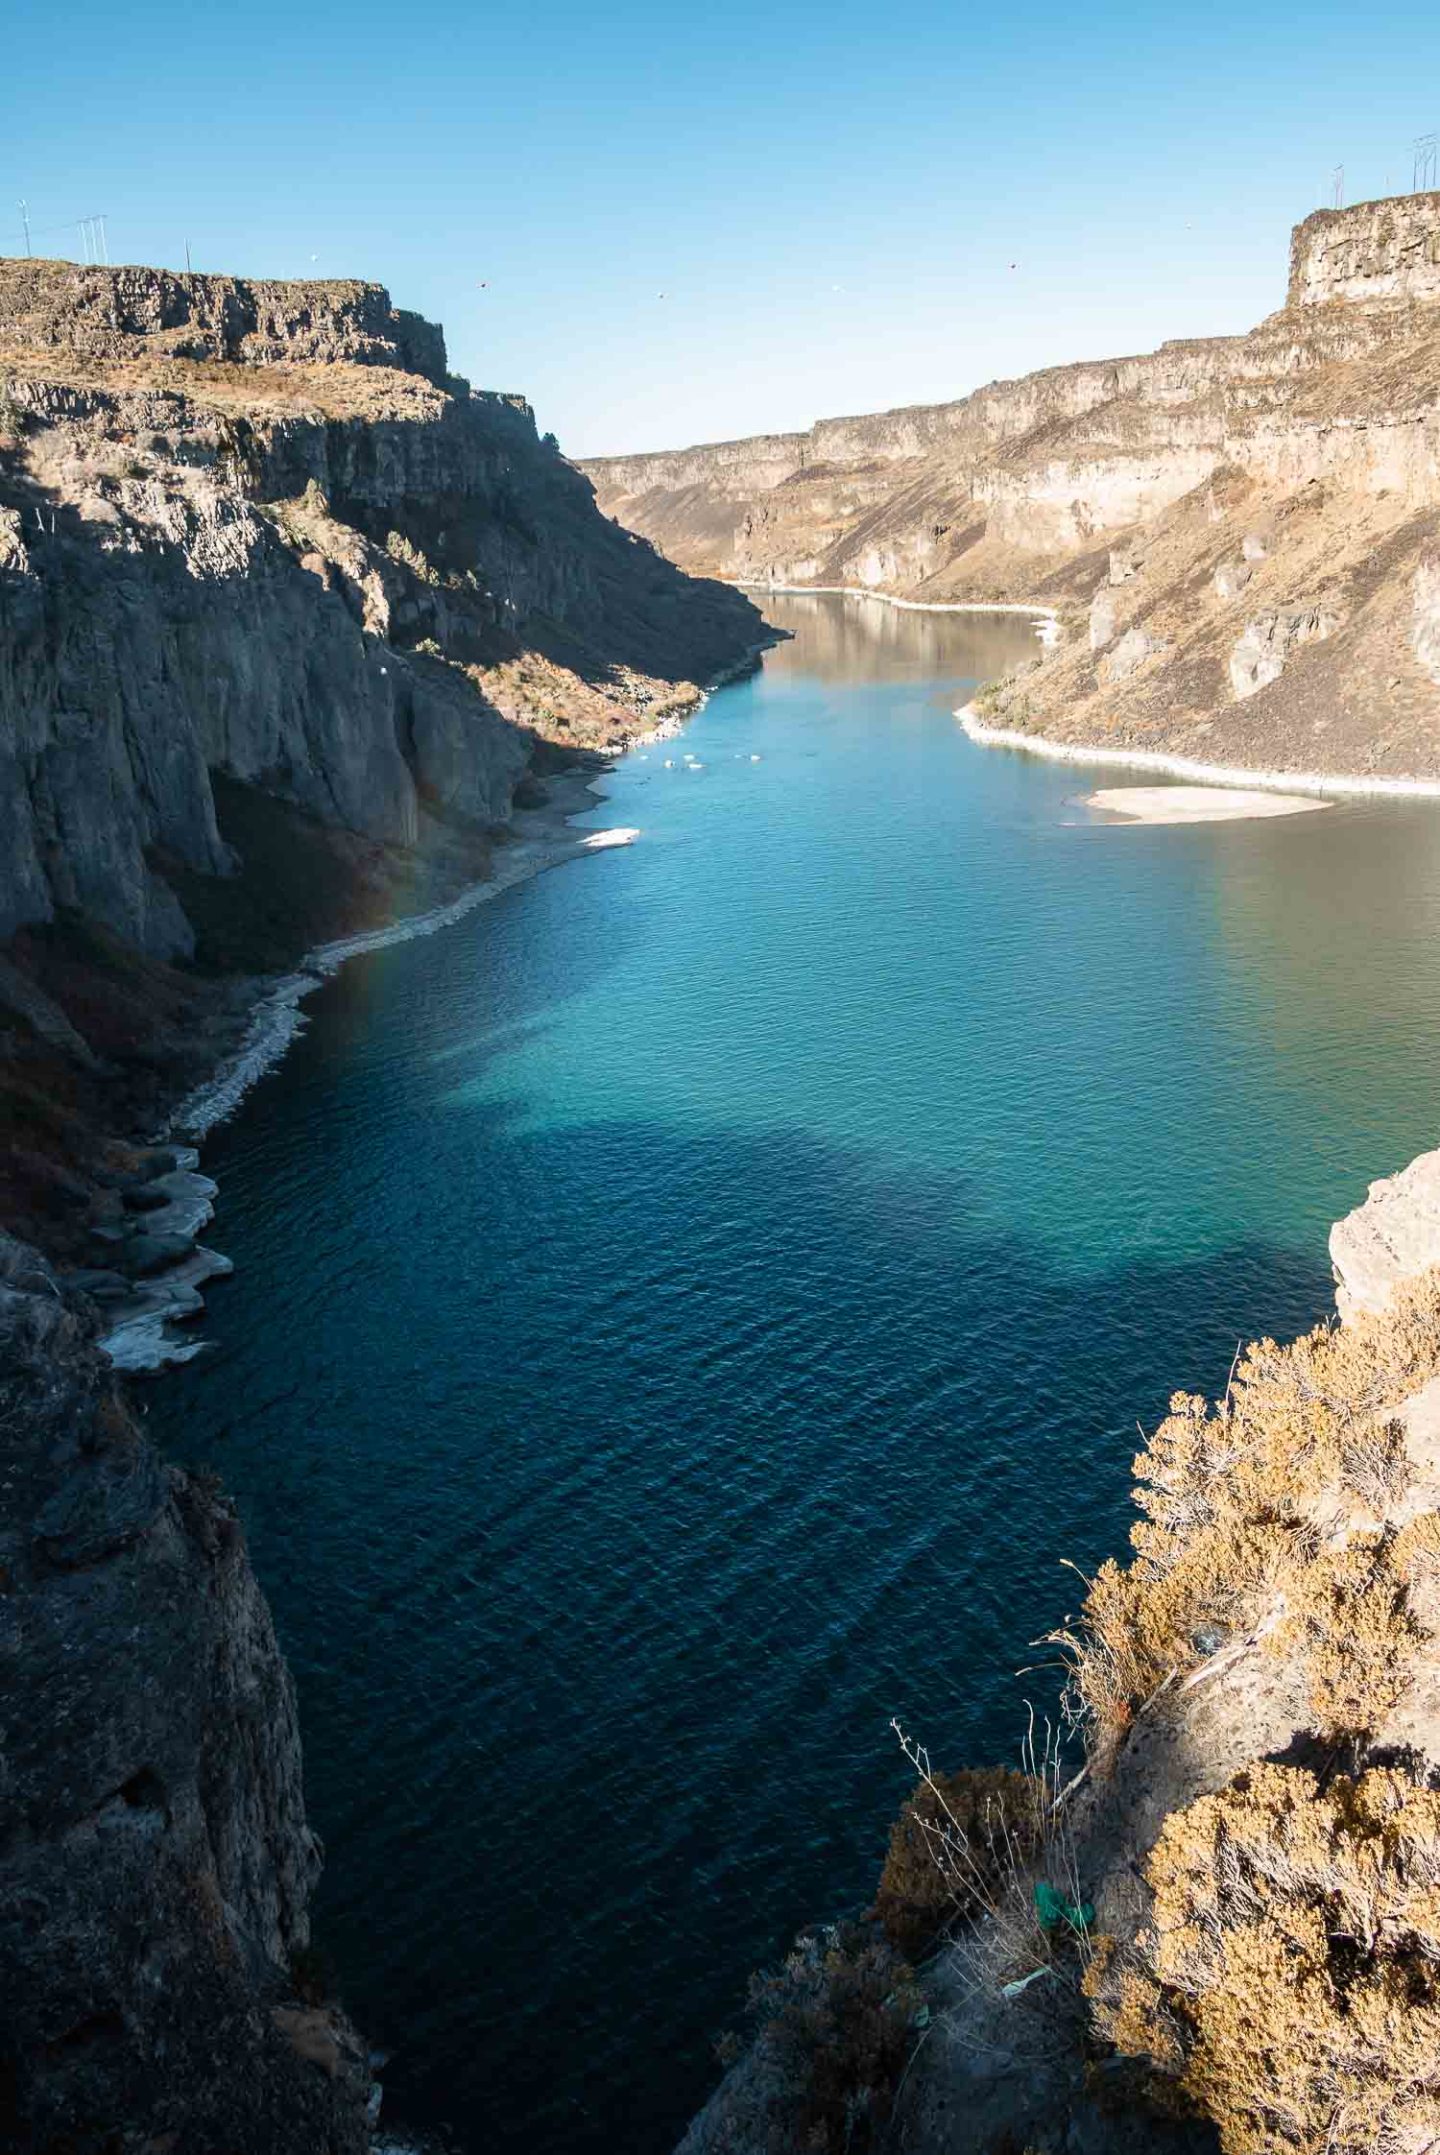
955, 1851
1353, 1624
1290, 1983
833, 2030
1232, 1542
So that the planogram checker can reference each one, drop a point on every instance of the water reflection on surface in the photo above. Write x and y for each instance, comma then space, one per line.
685, 1312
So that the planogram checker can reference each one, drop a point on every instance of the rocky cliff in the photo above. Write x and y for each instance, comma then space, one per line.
256, 530
291, 621
1240, 535
156, 1861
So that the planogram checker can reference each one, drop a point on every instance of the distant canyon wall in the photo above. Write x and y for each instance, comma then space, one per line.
1316, 438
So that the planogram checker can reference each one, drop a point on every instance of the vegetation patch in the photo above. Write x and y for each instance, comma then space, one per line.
1289, 1983
834, 2025
956, 1849
1274, 1519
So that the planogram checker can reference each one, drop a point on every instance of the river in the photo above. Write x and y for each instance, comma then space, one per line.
685, 1312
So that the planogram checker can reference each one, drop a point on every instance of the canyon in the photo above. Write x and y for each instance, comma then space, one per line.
296, 633
1239, 537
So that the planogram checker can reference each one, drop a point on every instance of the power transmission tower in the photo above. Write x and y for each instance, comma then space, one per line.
1338, 188
1426, 153
25, 220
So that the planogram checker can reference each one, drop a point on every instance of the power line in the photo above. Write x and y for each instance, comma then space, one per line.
91, 229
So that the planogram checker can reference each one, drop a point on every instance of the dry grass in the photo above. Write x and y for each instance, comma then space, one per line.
332, 389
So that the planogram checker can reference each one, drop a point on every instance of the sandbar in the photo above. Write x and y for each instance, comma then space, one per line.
1197, 804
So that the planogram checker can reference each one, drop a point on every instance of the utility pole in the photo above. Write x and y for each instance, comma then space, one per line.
1423, 162
25, 220
187, 258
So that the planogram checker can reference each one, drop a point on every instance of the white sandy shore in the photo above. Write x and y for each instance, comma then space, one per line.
543, 838
1197, 804
1324, 783
1033, 608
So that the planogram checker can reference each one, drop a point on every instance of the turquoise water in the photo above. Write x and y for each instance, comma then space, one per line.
686, 1312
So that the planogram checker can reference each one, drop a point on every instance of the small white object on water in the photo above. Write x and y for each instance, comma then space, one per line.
669, 763
754, 759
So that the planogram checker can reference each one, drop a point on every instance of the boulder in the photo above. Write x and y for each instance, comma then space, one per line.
1231, 578
1129, 655
1264, 650
1393, 1236
1425, 623
1102, 620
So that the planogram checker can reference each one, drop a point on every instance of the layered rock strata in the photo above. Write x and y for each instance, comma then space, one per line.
1240, 535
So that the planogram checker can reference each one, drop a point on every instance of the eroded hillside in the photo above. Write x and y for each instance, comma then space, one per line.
1240, 536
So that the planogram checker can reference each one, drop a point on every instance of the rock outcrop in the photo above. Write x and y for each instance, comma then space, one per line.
1299, 464
1373, 251
156, 1861
257, 530
1392, 1237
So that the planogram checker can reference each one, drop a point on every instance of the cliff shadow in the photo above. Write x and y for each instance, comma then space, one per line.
615, 1482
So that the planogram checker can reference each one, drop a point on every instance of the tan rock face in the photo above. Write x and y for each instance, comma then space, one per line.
1129, 655
1425, 635
1392, 1237
1261, 654
1102, 620
1376, 250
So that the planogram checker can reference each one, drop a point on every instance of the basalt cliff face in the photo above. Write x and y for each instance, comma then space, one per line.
295, 631
1240, 536
156, 1860
258, 531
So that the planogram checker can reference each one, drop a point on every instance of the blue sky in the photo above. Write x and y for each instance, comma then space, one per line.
830, 198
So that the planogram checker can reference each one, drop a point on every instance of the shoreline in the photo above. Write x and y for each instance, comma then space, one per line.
144, 1330
674, 723
1035, 608
1211, 774
151, 1331
544, 839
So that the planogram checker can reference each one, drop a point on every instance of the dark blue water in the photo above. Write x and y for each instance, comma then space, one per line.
686, 1312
